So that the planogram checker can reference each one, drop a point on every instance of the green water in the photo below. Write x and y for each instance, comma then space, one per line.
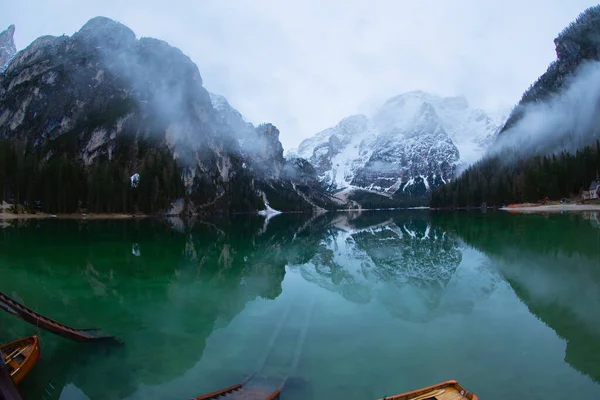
509, 305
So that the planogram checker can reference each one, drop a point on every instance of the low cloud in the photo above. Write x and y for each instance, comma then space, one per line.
566, 121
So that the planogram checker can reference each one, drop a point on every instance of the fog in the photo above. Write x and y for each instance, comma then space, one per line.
565, 121
170, 97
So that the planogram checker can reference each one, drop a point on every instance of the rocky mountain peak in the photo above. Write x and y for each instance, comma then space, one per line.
7, 46
106, 34
231, 117
272, 147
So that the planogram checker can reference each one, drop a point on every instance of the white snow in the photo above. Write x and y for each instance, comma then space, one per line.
427, 230
425, 181
410, 233
135, 180
268, 212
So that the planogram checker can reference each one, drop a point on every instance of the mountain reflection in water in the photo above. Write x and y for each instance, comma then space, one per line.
401, 257
403, 299
552, 262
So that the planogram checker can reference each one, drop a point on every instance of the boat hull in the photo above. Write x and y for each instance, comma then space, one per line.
21, 356
446, 390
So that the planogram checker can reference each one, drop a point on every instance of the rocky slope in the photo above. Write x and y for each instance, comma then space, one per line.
414, 142
7, 46
102, 95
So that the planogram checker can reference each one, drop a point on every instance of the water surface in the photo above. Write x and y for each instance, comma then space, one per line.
388, 301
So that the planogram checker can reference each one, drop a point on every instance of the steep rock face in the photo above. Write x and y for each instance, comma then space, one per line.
414, 142
104, 95
7, 47
228, 115
283, 180
576, 44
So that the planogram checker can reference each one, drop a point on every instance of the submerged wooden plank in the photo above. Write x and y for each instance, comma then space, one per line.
220, 392
256, 388
38, 320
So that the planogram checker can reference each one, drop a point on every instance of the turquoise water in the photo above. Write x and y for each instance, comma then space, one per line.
365, 305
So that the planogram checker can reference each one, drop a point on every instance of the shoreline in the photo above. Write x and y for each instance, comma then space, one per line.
552, 208
86, 216
120, 216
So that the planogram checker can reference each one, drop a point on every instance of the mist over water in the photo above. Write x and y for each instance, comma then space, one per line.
391, 301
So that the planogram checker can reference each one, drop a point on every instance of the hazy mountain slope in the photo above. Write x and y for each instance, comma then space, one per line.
575, 45
103, 96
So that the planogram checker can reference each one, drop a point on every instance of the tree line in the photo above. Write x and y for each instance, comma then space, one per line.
59, 182
497, 180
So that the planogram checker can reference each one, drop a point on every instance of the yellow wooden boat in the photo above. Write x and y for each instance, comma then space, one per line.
449, 390
21, 356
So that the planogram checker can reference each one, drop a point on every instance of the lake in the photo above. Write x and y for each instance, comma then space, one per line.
353, 306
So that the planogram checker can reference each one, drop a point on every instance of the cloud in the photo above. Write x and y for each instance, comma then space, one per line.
306, 65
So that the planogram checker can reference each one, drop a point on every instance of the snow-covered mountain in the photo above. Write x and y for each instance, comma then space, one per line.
414, 142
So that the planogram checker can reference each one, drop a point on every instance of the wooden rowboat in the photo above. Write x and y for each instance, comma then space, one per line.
449, 390
20, 356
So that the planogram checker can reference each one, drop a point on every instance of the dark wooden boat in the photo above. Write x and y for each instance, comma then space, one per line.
449, 390
21, 356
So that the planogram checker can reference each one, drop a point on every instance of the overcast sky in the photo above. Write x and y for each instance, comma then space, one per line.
304, 66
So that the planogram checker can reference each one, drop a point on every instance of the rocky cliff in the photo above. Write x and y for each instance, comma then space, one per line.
104, 96
7, 46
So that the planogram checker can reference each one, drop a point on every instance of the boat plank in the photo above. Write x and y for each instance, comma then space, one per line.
450, 395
